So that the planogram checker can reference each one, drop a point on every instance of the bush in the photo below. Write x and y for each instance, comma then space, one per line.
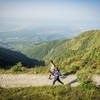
74, 68
85, 78
17, 68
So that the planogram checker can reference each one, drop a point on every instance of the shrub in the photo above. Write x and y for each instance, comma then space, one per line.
85, 78
74, 68
17, 68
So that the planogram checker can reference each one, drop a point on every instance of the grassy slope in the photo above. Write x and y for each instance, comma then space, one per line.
50, 93
84, 42
42, 50
73, 55
9, 58
78, 51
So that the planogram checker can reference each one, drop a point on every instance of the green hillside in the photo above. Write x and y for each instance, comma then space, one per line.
41, 51
79, 53
70, 55
82, 51
9, 58
49, 50
86, 40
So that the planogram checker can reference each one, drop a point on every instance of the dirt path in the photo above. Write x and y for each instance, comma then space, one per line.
26, 80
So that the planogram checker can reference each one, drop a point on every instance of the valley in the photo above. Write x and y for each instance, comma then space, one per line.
71, 55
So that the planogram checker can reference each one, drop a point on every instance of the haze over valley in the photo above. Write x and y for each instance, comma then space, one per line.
26, 23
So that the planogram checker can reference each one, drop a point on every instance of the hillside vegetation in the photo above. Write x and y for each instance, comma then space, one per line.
42, 50
71, 55
80, 53
50, 93
9, 58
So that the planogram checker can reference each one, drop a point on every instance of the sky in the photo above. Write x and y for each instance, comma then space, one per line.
51, 11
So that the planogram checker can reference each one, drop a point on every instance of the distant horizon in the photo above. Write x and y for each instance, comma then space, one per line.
80, 15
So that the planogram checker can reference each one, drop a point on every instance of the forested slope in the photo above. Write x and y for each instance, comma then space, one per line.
43, 50
9, 58
80, 52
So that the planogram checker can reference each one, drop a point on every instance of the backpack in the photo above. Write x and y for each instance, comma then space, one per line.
58, 73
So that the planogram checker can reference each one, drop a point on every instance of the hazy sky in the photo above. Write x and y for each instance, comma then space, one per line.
78, 15
59, 10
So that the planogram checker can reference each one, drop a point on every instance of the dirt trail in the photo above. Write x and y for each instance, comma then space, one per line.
26, 80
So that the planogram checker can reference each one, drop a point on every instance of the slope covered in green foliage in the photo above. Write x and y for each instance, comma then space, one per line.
50, 50
8, 58
50, 93
82, 51
42, 50
85, 41
79, 53
73, 55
